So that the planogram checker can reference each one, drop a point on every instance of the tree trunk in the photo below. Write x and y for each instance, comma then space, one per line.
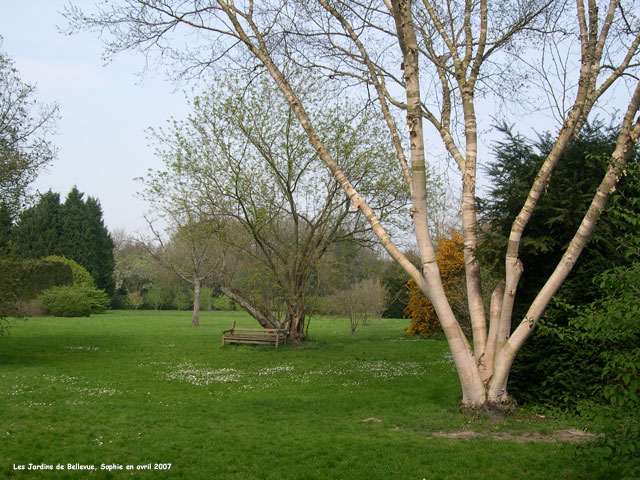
195, 322
294, 322
264, 319
473, 390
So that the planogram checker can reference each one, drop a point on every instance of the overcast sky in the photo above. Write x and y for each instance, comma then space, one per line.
105, 109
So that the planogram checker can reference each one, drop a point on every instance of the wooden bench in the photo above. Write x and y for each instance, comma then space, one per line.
256, 336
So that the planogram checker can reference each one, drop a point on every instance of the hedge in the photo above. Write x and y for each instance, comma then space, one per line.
26, 279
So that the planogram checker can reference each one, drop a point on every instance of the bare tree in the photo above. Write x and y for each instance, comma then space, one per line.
462, 50
360, 302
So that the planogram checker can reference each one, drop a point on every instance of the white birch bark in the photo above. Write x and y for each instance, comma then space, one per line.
627, 138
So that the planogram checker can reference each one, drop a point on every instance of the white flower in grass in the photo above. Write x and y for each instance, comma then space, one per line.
187, 372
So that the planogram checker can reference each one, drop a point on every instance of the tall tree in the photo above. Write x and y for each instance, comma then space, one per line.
25, 125
38, 230
463, 50
74, 229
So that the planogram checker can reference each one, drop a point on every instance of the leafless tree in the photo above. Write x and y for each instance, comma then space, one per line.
358, 303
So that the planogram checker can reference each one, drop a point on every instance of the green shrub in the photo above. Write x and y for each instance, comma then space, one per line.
98, 299
74, 301
66, 301
614, 322
81, 275
220, 302
22, 280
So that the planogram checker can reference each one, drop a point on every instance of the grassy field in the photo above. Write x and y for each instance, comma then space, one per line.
145, 389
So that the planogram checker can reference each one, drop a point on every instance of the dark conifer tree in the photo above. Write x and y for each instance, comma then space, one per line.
74, 229
543, 371
38, 230
102, 246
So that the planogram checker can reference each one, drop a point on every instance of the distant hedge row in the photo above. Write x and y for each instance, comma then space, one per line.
25, 279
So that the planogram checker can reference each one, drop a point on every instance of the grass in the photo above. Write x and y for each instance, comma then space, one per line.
140, 388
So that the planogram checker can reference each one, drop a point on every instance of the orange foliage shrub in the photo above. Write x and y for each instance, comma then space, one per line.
450, 258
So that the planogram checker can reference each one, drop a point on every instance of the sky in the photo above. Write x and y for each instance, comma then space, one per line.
105, 109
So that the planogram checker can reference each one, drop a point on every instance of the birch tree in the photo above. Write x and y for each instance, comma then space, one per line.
433, 62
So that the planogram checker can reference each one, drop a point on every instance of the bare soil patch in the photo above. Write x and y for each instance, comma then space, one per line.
571, 435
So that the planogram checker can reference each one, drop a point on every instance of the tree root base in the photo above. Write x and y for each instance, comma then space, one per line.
492, 409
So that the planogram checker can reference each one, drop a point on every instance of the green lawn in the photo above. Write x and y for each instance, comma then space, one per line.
139, 388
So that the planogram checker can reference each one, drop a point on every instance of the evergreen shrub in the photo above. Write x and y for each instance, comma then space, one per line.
25, 279
81, 275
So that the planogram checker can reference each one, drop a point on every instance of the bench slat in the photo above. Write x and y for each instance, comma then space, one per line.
258, 336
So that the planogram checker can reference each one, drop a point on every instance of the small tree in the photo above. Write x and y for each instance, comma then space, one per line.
157, 296
362, 301
134, 300
221, 302
181, 301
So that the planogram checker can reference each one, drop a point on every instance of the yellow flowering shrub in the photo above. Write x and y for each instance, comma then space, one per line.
450, 258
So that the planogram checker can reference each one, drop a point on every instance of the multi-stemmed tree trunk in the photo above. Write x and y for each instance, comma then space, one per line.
464, 50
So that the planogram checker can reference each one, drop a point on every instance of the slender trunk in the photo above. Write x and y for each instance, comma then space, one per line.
487, 359
195, 322
470, 227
